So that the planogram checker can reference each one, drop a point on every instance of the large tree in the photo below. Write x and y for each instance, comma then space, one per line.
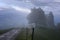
37, 16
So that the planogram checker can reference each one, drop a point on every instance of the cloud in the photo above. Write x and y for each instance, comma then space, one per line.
15, 7
25, 5
57, 0
4, 5
24, 10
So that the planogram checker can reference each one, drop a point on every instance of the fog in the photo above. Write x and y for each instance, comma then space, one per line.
29, 19
14, 12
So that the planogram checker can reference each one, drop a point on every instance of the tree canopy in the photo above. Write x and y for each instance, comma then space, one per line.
37, 16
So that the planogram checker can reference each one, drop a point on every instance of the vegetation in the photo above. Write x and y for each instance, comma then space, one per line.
41, 30
24, 34
37, 16
39, 34
4, 31
46, 34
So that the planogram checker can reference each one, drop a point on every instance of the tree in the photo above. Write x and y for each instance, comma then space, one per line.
37, 16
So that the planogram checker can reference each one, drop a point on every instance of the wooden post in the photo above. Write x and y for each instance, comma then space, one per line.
26, 33
32, 33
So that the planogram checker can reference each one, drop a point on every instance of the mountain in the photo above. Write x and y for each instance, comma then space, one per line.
11, 18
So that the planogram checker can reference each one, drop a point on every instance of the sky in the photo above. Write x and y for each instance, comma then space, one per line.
25, 6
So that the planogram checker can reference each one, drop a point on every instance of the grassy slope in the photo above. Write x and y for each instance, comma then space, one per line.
40, 34
22, 35
46, 34
4, 31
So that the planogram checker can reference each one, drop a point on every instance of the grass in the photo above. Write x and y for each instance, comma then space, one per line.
4, 31
39, 34
23, 35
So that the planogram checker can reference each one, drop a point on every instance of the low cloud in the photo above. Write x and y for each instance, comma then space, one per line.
21, 9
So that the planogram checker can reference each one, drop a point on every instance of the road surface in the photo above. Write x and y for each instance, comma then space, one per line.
10, 35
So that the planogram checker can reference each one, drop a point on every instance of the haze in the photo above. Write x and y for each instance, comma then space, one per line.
14, 12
